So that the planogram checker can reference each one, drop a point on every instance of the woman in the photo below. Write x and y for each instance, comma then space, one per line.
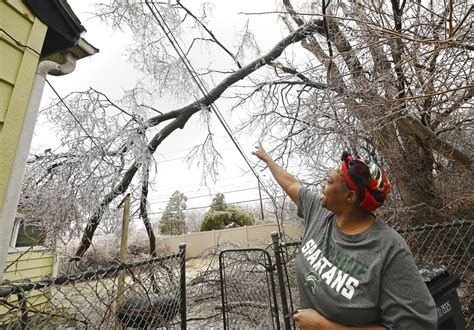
353, 271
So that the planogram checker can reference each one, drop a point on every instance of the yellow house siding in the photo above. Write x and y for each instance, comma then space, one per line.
29, 265
20, 8
17, 71
14, 22
5, 94
33, 274
37, 302
11, 60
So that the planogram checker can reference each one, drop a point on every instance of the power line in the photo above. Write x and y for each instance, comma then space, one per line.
72, 114
184, 157
206, 195
232, 203
18, 43
99, 148
199, 185
175, 44
165, 197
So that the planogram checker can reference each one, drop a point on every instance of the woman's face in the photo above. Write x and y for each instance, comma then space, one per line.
334, 192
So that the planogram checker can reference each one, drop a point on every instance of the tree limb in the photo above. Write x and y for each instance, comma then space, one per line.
144, 207
334, 77
182, 115
442, 147
456, 105
210, 33
307, 81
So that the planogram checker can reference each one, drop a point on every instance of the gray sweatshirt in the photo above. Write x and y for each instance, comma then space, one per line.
359, 280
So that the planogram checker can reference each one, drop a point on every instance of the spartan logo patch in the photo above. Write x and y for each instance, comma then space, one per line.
311, 281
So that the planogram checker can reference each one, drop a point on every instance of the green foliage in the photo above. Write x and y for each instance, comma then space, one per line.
241, 216
218, 202
221, 214
215, 220
172, 220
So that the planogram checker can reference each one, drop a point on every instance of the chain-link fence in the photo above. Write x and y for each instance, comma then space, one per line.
248, 289
247, 276
149, 293
285, 254
244, 288
448, 245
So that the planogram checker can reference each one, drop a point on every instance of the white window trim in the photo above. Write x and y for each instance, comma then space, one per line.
14, 237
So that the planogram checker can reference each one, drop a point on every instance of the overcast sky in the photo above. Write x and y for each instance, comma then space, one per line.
109, 72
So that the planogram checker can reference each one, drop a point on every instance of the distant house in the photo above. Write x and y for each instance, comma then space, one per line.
37, 38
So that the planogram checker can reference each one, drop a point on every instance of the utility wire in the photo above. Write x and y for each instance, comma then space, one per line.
18, 43
232, 203
175, 44
198, 185
161, 200
72, 114
77, 121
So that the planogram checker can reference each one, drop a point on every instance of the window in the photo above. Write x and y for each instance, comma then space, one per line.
26, 235
29, 235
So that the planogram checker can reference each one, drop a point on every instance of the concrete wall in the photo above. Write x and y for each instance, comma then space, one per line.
248, 236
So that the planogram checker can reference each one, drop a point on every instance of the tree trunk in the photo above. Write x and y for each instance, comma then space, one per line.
411, 170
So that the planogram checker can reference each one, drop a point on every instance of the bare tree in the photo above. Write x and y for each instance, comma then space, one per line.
398, 89
391, 82
194, 219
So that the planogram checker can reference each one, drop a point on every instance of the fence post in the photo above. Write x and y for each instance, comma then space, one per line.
223, 298
23, 309
123, 251
281, 283
182, 284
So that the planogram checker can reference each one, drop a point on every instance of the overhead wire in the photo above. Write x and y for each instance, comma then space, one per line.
207, 206
198, 185
73, 115
182, 55
18, 43
175, 44
161, 200
99, 148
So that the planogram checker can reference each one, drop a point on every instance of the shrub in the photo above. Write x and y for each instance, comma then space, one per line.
214, 220
241, 216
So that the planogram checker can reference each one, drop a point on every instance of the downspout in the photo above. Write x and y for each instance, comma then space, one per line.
44, 68
12, 194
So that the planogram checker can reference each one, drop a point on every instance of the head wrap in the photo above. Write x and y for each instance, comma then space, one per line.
368, 181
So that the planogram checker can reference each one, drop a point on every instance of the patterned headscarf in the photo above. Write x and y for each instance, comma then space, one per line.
368, 181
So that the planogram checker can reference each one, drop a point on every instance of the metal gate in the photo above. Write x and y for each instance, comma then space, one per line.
248, 289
